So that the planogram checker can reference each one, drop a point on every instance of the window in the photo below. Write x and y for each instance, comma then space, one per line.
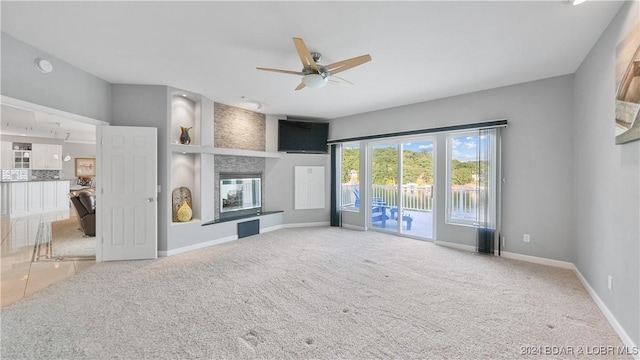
471, 159
350, 176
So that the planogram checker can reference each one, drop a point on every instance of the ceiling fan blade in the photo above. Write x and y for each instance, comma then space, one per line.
281, 71
343, 65
300, 86
305, 55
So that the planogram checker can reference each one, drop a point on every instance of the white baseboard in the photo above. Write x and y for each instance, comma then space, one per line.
297, 225
354, 227
234, 237
271, 228
197, 246
537, 260
456, 246
626, 339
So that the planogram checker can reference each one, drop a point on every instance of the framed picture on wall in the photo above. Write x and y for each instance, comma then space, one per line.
628, 87
85, 167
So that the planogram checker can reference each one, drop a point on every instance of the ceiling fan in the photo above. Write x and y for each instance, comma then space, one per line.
315, 75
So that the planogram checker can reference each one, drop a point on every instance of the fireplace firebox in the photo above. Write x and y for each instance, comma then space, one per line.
240, 194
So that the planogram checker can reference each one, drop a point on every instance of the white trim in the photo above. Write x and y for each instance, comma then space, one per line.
271, 228
538, 260
25, 105
297, 225
223, 240
626, 339
456, 246
354, 227
197, 246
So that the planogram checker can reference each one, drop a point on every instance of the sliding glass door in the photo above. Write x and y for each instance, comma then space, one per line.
417, 189
384, 186
402, 187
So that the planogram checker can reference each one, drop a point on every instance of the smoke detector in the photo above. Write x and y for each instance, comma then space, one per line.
44, 66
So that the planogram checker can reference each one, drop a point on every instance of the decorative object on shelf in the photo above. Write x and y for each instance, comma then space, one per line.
185, 139
181, 196
184, 213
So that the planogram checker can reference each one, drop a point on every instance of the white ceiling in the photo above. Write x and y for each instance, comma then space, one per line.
421, 50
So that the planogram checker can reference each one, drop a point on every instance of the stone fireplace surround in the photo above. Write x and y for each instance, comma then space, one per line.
240, 129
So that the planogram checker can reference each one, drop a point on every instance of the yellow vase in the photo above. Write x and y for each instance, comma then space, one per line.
184, 212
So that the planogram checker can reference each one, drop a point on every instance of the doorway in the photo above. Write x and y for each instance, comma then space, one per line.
402, 187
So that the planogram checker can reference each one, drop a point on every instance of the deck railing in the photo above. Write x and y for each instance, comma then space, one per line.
464, 200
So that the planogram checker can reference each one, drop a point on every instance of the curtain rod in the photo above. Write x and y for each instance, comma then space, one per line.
486, 124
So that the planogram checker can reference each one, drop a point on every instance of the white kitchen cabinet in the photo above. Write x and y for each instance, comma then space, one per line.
19, 199
6, 159
35, 197
46, 157
49, 195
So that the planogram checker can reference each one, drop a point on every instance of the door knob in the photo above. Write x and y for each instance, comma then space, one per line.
150, 199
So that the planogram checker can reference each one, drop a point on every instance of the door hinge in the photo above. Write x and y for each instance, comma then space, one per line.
101, 190
101, 141
102, 240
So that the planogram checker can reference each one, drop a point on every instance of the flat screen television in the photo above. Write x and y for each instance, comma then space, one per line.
296, 136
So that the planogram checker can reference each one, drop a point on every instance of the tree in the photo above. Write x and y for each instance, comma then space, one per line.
350, 161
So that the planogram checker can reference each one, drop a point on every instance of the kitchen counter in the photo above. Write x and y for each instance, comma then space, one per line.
33, 180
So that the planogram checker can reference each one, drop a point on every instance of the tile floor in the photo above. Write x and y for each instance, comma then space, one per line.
19, 275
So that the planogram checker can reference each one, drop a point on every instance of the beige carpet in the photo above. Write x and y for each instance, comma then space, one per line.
310, 293
69, 241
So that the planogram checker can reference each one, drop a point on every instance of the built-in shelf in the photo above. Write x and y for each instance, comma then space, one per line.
196, 149
193, 166
192, 221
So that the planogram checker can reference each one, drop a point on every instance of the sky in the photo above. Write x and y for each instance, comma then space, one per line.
463, 148
420, 146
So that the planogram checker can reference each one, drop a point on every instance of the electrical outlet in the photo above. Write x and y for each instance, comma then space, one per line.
527, 238
610, 282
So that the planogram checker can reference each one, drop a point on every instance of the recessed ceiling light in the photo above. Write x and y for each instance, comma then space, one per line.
576, 2
44, 66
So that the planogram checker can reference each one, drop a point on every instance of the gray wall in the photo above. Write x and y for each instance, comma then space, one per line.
606, 211
67, 88
75, 150
279, 188
537, 158
148, 106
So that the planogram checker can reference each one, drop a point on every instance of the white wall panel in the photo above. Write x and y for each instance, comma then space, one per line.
309, 187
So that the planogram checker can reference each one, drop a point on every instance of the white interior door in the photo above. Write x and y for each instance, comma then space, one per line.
126, 202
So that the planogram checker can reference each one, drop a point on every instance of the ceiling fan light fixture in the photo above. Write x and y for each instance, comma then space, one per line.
314, 81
